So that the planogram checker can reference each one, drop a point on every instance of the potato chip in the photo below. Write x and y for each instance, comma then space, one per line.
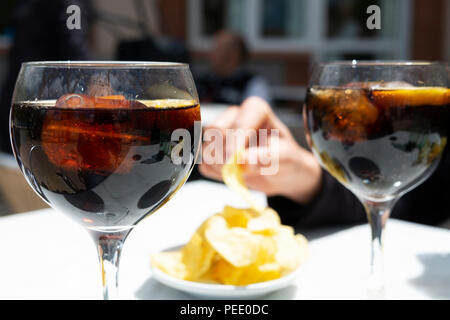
267, 249
226, 273
236, 245
170, 263
207, 277
266, 222
197, 254
291, 250
236, 217
232, 176
262, 269
261, 273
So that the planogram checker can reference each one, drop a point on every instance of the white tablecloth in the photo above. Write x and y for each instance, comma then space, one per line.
44, 255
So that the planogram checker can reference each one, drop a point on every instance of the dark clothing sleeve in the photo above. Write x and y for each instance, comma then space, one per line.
429, 203
333, 205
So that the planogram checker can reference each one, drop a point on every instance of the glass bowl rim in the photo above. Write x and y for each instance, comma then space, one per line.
380, 63
106, 64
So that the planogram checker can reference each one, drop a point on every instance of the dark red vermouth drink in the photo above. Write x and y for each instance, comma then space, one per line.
379, 141
106, 160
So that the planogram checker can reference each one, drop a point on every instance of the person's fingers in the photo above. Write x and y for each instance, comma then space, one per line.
255, 113
212, 159
260, 183
257, 158
240, 124
253, 159
252, 174
218, 129
223, 121
226, 118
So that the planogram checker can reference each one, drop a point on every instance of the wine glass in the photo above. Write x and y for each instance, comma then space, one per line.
106, 143
379, 128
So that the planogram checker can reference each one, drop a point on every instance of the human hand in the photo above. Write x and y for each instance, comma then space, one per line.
299, 174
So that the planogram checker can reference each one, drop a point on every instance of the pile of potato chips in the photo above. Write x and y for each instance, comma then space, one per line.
237, 246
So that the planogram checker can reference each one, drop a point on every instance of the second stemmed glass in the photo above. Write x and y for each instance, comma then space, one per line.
379, 128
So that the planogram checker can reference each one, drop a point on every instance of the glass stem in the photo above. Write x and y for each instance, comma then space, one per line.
109, 246
377, 214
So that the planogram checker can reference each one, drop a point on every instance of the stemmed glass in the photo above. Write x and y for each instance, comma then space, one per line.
106, 143
379, 128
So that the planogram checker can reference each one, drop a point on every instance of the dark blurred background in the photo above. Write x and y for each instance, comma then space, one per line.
270, 44
284, 37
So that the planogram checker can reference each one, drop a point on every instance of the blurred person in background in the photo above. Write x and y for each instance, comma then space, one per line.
228, 80
41, 33
307, 196
151, 44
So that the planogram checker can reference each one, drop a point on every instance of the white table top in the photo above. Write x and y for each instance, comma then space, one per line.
44, 255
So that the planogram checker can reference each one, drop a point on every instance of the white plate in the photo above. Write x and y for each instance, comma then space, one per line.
221, 291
